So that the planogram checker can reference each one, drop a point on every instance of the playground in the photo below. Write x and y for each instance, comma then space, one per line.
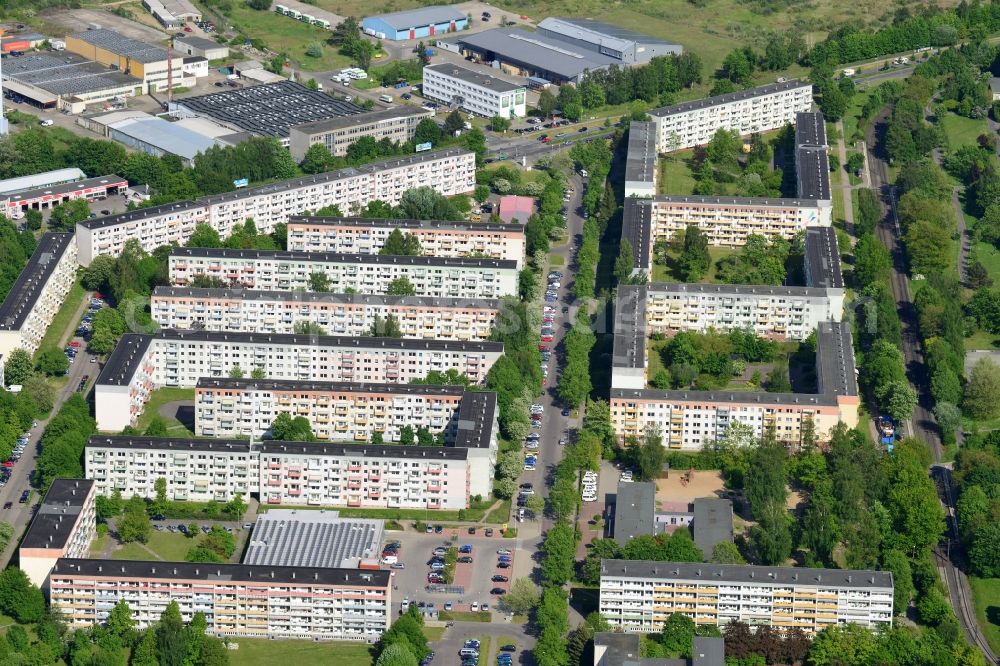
682, 487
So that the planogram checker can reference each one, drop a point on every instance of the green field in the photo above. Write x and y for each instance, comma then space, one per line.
63, 321
264, 652
675, 175
962, 131
670, 272
986, 596
169, 546
157, 399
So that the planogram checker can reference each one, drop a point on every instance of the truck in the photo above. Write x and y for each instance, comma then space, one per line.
886, 431
849, 72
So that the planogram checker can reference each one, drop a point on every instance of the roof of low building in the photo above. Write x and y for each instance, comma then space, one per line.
635, 505
200, 43
712, 524
553, 55
420, 17
360, 119
119, 44
474, 77
162, 135
295, 538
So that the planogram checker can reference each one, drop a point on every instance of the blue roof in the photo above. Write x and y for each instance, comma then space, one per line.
166, 136
418, 18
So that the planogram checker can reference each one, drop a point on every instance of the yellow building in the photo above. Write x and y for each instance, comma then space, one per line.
143, 61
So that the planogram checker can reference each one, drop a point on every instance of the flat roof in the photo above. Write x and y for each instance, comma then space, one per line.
340, 258
220, 573
822, 258
637, 222
270, 109
640, 160
287, 537
537, 51
139, 214
200, 42
810, 129
162, 135
308, 386
28, 287
475, 78
835, 366
709, 200
635, 505
736, 397
746, 573
44, 179
362, 450
65, 73
476, 415
57, 515
369, 222
737, 96
359, 119
712, 524
418, 18
812, 172
193, 445
119, 44
65, 188
326, 297
734, 289
599, 32
629, 349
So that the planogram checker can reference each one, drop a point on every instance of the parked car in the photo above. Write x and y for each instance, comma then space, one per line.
498, 591
499, 578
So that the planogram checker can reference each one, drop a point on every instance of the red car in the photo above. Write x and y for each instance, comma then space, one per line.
187, 28
543, 348
74, 343
546, 338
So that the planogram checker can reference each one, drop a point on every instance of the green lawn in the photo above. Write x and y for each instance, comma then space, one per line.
986, 596
675, 175
170, 546
962, 131
499, 515
557, 260
63, 321
157, 399
836, 179
264, 652
852, 117
989, 257
671, 273
982, 340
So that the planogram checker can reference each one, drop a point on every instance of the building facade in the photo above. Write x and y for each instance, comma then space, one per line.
238, 600
36, 295
758, 109
415, 23
146, 62
64, 526
364, 273
397, 124
448, 172
43, 198
240, 310
142, 363
481, 94
353, 235
639, 596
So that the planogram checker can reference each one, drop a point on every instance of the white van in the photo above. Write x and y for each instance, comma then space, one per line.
385, 98
390, 559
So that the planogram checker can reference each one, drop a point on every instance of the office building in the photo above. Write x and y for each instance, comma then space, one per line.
365, 273
397, 124
354, 235
293, 538
628, 46
143, 61
243, 310
417, 23
760, 109
64, 526
36, 295
474, 92
635, 505
238, 600
641, 160
142, 363
13, 204
639, 596
448, 172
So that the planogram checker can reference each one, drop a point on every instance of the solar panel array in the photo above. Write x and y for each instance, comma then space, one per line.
65, 73
312, 539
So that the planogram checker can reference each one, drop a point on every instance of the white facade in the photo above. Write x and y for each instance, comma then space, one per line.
37, 294
237, 310
368, 274
239, 600
481, 94
639, 596
437, 239
759, 109
64, 526
448, 172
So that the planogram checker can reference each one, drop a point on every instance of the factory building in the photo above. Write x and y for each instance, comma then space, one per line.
417, 23
627, 46
145, 62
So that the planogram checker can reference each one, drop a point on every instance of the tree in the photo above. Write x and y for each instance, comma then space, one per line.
897, 399
52, 362
453, 123
625, 261
120, 620
778, 381
902, 579
695, 259
927, 246
397, 654
134, 526
19, 367
982, 393
317, 159
547, 103
170, 640
288, 429
204, 235
65, 216
522, 597
678, 634
313, 49
260, 5
363, 51
737, 67
499, 124
157, 427
406, 435
19, 598
984, 555
145, 653
401, 287
651, 456
319, 281
726, 552
301, 327
398, 243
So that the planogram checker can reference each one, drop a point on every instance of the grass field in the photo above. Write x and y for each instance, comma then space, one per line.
675, 176
157, 399
63, 321
986, 596
264, 652
499, 515
170, 546
670, 272
962, 131
852, 117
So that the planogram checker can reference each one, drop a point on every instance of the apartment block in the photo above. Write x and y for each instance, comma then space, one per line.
64, 526
35, 297
474, 92
397, 124
238, 600
248, 311
641, 161
142, 363
639, 596
364, 273
758, 109
448, 172
354, 235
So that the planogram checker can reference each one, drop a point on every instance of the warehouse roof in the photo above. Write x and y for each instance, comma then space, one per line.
598, 32
43, 179
336, 257
165, 136
737, 96
119, 44
57, 515
220, 573
199, 42
745, 573
29, 284
268, 110
360, 119
474, 77
537, 51
65, 73
403, 224
418, 18
286, 537
381, 300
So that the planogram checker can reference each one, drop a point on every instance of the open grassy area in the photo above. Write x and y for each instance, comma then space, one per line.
64, 320
671, 271
986, 597
157, 399
499, 515
675, 175
961, 131
170, 546
852, 117
264, 652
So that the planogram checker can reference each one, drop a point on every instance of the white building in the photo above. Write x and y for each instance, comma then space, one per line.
448, 172
354, 235
760, 109
364, 273
238, 600
142, 363
243, 310
64, 526
639, 596
36, 295
474, 92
